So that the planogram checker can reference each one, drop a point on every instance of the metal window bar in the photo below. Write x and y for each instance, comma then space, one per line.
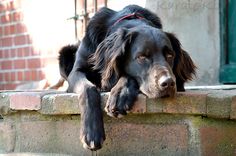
84, 16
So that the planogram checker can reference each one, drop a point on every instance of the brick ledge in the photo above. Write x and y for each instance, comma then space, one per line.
213, 103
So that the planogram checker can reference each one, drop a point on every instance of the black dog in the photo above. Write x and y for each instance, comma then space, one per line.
122, 52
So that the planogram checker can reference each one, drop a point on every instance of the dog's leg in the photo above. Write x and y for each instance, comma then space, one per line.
122, 97
92, 132
58, 84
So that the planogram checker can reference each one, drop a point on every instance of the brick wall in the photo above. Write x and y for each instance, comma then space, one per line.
15, 45
195, 123
31, 33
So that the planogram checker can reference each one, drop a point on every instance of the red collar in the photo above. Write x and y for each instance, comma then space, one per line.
133, 15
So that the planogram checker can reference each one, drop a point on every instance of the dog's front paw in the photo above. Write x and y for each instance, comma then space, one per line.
121, 99
92, 132
92, 139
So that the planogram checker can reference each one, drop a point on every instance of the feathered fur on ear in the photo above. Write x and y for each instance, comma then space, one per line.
107, 57
184, 68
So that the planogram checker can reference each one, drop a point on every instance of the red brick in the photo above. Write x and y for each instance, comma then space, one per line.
10, 86
34, 63
1, 77
34, 75
2, 86
13, 53
25, 101
19, 52
27, 75
41, 75
19, 64
22, 52
8, 30
17, 16
7, 41
11, 5
20, 76
1, 30
20, 40
8, 5
1, 53
26, 51
6, 53
13, 76
7, 64
5, 18
7, 76
31, 49
20, 28
2, 8
12, 29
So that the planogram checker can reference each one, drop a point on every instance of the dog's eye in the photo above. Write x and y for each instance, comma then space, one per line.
142, 58
169, 56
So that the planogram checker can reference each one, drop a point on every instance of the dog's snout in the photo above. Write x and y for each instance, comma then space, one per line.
166, 82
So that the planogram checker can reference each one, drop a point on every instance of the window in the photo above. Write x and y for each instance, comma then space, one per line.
228, 41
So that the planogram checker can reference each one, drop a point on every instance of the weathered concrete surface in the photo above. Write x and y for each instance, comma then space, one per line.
219, 104
196, 24
217, 138
7, 137
233, 109
148, 135
215, 104
60, 104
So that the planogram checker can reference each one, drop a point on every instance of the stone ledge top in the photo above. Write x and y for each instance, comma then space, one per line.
212, 103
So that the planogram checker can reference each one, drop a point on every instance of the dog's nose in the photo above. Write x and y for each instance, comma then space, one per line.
166, 82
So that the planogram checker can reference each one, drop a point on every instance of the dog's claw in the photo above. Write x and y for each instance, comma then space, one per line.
91, 145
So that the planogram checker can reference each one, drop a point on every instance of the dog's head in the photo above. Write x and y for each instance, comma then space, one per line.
149, 55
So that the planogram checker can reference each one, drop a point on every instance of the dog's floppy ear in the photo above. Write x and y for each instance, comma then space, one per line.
108, 56
184, 68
